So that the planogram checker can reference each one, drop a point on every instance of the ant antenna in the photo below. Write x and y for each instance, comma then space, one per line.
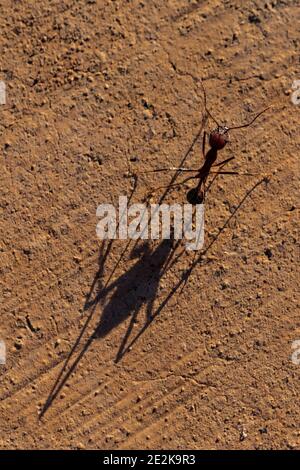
206, 109
251, 122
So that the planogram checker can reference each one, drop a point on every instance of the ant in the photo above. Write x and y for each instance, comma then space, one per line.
218, 138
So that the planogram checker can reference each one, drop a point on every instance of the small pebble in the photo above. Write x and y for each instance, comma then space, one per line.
268, 253
254, 19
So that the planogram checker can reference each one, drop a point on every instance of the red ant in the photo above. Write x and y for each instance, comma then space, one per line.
218, 138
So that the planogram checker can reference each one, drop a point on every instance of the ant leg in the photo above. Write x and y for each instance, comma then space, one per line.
175, 184
218, 172
221, 164
224, 162
233, 173
172, 168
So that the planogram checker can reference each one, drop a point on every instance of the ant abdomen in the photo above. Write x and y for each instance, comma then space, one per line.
194, 196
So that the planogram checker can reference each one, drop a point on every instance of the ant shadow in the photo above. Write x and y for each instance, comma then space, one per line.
108, 320
134, 289
131, 291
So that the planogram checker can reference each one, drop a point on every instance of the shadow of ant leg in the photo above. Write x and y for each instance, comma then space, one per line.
122, 347
103, 254
203, 143
200, 257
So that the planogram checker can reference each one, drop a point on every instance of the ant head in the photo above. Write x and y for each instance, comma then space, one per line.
219, 137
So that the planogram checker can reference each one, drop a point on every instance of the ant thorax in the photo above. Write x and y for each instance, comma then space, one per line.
219, 137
